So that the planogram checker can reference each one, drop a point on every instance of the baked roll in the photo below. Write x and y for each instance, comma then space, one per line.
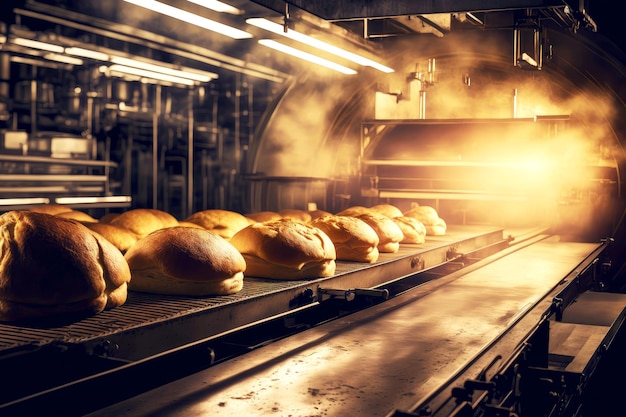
183, 260
285, 249
54, 268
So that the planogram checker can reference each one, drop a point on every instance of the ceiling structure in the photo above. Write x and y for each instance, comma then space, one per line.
357, 26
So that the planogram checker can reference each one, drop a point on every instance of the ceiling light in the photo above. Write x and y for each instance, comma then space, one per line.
196, 75
306, 56
30, 43
217, 6
191, 18
91, 200
316, 43
87, 53
116, 68
63, 58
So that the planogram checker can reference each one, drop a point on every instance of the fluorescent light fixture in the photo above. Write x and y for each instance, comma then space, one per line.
23, 201
316, 43
87, 53
217, 6
192, 18
306, 56
91, 200
30, 43
197, 75
63, 58
116, 68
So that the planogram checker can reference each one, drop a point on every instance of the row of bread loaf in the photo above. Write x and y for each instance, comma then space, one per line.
57, 261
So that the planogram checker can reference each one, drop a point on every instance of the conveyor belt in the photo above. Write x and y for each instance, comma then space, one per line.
149, 324
376, 360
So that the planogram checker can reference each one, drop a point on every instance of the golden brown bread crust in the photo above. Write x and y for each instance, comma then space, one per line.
412, 229
285, 249
388, 210
185, 261
142, 221
119, 236
108, 217
354, 239
263, 216
295, 214
224, 223
319, 213
77, 215
51, 267
50, 209
389, 233
354, 210
429, 217
189, 224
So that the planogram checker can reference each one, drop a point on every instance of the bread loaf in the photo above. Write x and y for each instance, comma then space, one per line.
119, 236
318, 213
354, 239
389, 233
77, 215
263, 216
51, 209
285, 249
142, 221
185, 261
224, 223
295, 214
412, 229
388, 210
53, 268
429, 217
354, 210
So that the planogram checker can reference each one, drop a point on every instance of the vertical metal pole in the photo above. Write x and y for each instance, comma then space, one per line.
190, 153
514, 103
33, 100
422, 104
237, 144
155, 145
516, 46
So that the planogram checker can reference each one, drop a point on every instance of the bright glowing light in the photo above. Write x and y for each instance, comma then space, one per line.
89, 200
197, 75
29, 43
116, 68
217, 6
191, 18
24, 201
306, 56
87, 53
316, 43
63, 58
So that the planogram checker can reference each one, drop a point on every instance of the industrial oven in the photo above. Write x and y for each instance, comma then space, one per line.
506, 117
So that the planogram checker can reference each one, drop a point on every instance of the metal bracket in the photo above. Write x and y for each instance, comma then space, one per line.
324, 294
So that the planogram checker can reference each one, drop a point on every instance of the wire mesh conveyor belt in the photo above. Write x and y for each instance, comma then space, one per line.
147, 324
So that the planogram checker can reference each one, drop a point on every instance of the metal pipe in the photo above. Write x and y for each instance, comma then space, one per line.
422, 113
516, 41
190, 153
155, 143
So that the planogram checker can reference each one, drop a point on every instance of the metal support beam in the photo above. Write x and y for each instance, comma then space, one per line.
335, 10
